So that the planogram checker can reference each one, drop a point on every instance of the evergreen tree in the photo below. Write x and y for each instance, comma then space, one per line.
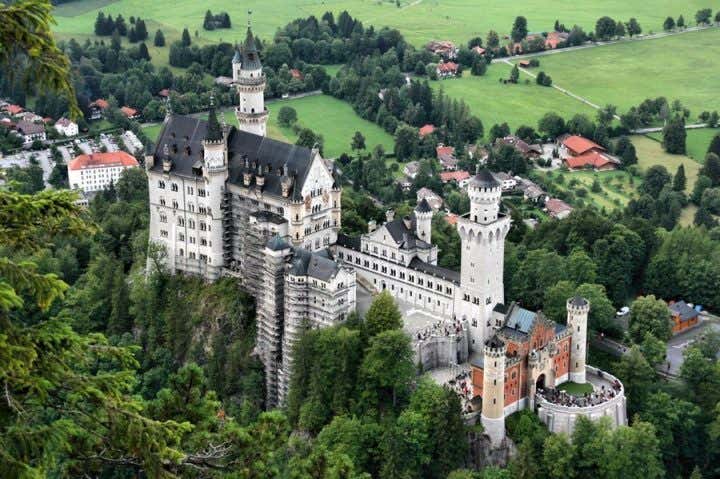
674, 135
633, 27
120, 25
669, 24
711, 168
519, 29
100, 24
680, 181
143, 52
680, 22
514, 74
119, 320
141, 30
358, 141
493, 39
715, 145
209, 22
479, 67
159, 39
185, 41
619, 29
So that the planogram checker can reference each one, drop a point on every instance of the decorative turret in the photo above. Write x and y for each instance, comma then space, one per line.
484, 192
250, 85
214, 145
493, 393
578, 309
423, 220
166, 160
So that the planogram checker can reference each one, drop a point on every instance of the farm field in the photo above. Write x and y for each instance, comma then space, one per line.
521, 104
627, 73
698, 142
617, 188
419, 20
332, 118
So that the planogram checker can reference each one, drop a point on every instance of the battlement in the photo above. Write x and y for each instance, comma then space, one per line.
578, 305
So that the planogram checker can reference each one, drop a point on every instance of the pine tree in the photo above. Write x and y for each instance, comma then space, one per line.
209, 22
680, 22
715, 145
119, 320
100, 24
680, 181
141, 30
120, 25
143, 52
159, 39
514, 74
669, 24
674, 135
479, 67
185, 41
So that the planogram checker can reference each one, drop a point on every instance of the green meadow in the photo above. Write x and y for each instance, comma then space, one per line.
682, 67
698, 141
419, 20
520, 104
335, 120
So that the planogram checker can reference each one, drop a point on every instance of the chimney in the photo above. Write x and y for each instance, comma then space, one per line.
372, 226
389, 215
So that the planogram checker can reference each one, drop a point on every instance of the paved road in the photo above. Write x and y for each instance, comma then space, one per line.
677, 344
642, 131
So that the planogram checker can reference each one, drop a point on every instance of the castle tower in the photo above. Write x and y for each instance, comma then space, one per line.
578, 309
482, 233
423, 221
249, 82
493, 393
215, 174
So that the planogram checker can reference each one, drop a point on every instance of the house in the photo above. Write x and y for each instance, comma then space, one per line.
30, 116
446, 156
461, 177
130, 113
555, 39
296, 74
524, 64
426, 130
531, 191
97, 171
66, 127
431, 197
97, 108
164, 93
683, 316
13, 110
411, 169
479, 50
477, 151
526, 150
30, 132
558, 208
579, 153
447, 70
507, 182
443, 48
405, 183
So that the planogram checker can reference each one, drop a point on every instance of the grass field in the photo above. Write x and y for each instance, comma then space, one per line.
617, 188
576, 389
682, 67
332, 118
698, 142
419, 20
521, 104
650, 152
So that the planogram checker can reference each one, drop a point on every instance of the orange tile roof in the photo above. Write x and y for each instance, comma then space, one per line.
100, 103
579, 145
129, 112
451, 219
426, 130
103, 160
295, 73
448, 67
479, 50
447, 176
445, 150
14, 109
591, 158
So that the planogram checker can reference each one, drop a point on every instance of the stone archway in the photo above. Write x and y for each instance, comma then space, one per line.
540, 382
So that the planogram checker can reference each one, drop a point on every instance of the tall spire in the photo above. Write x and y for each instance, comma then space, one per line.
214, 130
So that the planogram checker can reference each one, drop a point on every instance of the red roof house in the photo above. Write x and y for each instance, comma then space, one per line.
102, 160
296, 74
447, 69
14, 109
100, 103
577, 145
165, 93
426, 130
457, 176
129, 112
558, 208
591, 159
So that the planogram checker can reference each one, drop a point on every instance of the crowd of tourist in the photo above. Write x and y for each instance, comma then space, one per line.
439, 328
563, 398
462, 385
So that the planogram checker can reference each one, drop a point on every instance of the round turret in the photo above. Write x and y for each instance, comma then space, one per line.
484, 192
493, 393
423, 220
578, 309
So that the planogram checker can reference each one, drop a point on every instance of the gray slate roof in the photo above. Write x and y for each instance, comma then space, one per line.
682, 309
315, 265
423, 206
579, 301
250, 56
484, 179
184, 135
403, 235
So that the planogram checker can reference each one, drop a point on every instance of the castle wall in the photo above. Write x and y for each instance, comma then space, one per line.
440, 351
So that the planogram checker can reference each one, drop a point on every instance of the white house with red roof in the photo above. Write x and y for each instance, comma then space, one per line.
95, 172
66, 127
446, 156
461, 177
426, 130
557, 208
447, 70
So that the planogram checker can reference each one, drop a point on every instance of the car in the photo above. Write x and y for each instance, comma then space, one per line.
623, 311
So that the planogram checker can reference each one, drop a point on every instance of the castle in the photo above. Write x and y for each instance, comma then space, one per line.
227, 201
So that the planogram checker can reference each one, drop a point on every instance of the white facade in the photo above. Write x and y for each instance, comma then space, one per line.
95, 172
66, 127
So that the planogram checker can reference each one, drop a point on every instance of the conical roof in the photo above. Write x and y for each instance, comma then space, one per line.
214, 130
484, 179
236, 57
423, 206
250, 56
578, 301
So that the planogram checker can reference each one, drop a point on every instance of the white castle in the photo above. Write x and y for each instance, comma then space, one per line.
227, 201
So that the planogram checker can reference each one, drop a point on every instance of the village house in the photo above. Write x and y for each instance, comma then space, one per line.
66, 127
443, 48
97, 108
431, 197
164, 93
557, 208
130, 113
30, 132
526, 150
296, 74
579, 153
446, 156
461, 177
13, 110
479, 50
531, 191
447, 70
507, 182
683, 316
477, 152
426, 130
411, 169
224, 81
555, 39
